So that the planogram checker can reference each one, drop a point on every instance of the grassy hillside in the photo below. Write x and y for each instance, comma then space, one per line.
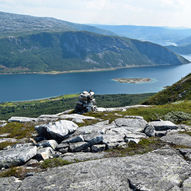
62, 103
45, 52
177, 92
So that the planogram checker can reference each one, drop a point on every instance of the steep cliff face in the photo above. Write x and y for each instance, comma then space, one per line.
65, 51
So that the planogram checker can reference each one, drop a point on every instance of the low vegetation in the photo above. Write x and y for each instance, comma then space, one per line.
55, 162
144, 146
177, 92
61, 103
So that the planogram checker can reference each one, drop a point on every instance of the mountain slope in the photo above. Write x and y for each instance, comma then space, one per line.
44, 52
178, 91
15, 24
160, 35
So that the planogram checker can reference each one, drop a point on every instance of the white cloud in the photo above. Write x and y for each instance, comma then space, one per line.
137, 12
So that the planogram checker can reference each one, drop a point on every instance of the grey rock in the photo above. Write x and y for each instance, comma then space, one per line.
3, 123
93, 139
48, 143
74, 139
116, 144
5, 135
98, 148
149, 130
134, 117
76, 116
9, 184
22, 119
163, 125
187, 184
82, 156
58, 130
63, 147
154, 171
12, 140
99, 127
186, 153
133, 125
17, 155
178, 139
160, 133
101, 109
48, 117
31, 162
77, 147
44, 153
78, 120
112, 139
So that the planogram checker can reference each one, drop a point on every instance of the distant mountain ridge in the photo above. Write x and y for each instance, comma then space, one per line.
183, 46
15, 24
33, 44
159, 35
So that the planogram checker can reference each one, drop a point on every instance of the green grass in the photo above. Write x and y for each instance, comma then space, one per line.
18, 130
58, 104
5, 144
181, 90
151, 113
55, 162
144, 146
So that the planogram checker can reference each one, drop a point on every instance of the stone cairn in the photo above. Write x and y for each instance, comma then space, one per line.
86, 102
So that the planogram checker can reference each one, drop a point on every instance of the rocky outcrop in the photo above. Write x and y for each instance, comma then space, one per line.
155, 171
159, 128
17, 155
58, 130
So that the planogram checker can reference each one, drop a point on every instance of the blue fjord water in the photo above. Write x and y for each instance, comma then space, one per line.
35, 86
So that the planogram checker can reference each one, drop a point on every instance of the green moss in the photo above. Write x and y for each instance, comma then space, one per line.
144, 146
18, 130
50, 163
5, 144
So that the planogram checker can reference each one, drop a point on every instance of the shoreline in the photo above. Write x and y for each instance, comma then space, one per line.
85, 70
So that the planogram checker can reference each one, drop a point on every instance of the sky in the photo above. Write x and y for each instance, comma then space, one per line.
173, 13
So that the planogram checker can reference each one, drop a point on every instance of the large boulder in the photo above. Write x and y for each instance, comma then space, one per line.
131, 124
178, 139
58, 130
162, 170
17, 155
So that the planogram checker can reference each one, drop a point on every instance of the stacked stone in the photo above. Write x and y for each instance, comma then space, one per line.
86, 102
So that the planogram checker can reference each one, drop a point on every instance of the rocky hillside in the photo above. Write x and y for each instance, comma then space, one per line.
15, 24
45, 52
177, 92
106, 150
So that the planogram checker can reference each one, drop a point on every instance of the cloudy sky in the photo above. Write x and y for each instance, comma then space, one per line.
134, 12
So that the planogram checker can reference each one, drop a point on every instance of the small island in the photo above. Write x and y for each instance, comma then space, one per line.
132, 80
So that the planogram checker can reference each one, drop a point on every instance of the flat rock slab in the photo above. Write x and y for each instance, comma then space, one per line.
133, 125
163, 125
155, 171
178, 139
22, 119
82, 156
17, 155
58, 130
76, 116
